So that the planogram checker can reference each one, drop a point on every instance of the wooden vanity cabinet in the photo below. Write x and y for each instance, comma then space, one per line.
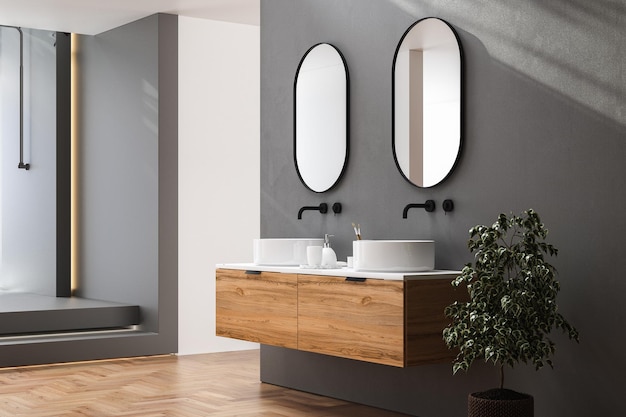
390, 322
257, 306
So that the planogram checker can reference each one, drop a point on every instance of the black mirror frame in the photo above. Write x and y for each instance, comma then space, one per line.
462, 104
295, 84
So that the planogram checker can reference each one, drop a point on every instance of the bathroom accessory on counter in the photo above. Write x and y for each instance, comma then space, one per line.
429, 206
314, 256
329, 257
322, 208
357, 230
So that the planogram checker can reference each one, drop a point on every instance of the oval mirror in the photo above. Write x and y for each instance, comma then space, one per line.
426, 102
321, 117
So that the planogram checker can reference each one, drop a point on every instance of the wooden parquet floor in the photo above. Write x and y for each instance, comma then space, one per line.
218, 384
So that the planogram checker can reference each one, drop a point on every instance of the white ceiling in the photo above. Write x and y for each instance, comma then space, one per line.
91, 17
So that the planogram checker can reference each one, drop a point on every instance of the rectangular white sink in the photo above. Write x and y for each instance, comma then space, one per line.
394, 255
283, 251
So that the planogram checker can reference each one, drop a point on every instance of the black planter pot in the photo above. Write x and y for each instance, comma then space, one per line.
500, 403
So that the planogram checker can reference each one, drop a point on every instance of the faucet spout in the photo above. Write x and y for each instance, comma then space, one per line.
322, 208
429, 206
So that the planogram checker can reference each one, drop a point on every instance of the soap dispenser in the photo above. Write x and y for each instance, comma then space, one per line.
329, 257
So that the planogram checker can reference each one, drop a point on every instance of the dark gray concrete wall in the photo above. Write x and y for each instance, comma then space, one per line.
545, 128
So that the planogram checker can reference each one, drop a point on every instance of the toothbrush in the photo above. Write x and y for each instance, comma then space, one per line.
357, 230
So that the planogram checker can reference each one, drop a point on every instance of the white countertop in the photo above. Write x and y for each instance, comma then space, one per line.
343, 272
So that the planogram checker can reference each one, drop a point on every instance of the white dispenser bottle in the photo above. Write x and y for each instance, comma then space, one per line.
329, 257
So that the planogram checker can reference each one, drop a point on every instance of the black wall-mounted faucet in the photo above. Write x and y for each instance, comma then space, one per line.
322, 208
429, 206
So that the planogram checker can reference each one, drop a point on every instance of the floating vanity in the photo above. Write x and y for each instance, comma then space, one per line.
387, 318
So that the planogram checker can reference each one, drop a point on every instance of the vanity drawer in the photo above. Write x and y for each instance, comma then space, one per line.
258, 307
397, 323
361, 320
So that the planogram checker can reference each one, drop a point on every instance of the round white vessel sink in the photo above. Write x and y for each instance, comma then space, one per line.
394, 255
283, 252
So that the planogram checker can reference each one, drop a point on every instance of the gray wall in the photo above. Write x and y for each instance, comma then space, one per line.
119, 165
545, 122
128, 142
29, 244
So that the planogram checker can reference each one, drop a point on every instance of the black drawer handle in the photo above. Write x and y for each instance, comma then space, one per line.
355, 279
253, 272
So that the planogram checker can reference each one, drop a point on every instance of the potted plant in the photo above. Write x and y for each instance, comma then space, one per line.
511, 309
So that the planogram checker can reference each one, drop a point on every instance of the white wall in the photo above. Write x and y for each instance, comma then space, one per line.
219, 157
